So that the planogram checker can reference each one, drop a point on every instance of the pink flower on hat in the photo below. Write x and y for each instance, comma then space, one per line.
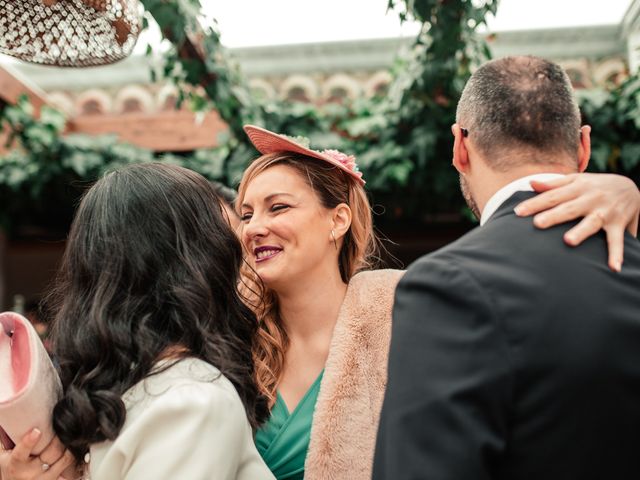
348, 161
267, 142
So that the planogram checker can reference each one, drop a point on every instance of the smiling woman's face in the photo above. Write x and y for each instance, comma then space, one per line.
285, 229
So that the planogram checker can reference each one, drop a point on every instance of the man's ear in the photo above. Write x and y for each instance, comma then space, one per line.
341, 220
584, 150
460, 152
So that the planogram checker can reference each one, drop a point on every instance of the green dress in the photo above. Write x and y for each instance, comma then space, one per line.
283, 440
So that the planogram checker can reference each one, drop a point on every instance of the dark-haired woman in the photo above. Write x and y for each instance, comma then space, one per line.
153, 340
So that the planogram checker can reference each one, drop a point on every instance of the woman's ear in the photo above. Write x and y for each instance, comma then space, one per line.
341, 220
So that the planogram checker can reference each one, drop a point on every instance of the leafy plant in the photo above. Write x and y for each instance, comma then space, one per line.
407, 150
402, 140
615, 120
45, 171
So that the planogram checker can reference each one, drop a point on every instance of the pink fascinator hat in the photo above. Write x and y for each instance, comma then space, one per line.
29, 384
269, 142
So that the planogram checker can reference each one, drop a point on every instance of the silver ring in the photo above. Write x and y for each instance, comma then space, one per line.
45, 467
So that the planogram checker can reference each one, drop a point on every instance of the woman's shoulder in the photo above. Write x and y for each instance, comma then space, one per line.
185, 410
189, 369
381, 280
188, 381
369, 297
182, 392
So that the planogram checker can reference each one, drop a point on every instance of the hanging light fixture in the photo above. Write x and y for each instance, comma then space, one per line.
69, 33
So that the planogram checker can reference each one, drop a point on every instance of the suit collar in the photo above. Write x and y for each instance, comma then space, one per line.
510, 203
520, 184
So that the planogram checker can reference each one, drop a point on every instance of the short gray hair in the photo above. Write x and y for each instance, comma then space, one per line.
523, 106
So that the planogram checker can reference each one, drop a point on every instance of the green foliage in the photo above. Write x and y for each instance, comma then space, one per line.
406, 150
615, 120
402, 140
45, 171
197, 58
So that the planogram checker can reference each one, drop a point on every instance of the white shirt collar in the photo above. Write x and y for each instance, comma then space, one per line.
519, 185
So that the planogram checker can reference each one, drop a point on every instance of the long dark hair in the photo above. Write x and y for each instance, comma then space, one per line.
151, 266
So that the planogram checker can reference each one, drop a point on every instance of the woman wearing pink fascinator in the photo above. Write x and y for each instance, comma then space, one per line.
324, 312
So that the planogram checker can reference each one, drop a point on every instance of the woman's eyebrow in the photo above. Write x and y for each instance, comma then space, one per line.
268, 198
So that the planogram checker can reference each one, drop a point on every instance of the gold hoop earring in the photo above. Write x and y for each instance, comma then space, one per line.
333, 235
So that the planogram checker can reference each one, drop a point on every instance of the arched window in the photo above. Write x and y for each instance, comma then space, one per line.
262, 89
93, 102
167, 98
340, 88
134, 99
299, 88
610, 72
378, 84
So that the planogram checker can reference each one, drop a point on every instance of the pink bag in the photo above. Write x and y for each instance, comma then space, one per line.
29, 383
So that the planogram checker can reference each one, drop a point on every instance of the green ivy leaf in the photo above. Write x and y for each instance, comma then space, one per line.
600, 156
630, 155
53, 118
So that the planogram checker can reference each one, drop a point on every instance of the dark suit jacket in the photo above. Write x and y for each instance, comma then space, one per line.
514, 356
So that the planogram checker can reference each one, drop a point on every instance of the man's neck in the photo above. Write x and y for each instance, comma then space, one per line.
493, 181
522, 184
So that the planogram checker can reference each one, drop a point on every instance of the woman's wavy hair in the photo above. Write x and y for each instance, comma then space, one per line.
150, 271
358, 252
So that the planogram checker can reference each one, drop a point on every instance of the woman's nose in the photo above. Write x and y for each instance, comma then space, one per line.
255, 227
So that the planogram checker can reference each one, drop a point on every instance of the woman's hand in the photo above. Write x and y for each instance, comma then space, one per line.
605, 201
19, 464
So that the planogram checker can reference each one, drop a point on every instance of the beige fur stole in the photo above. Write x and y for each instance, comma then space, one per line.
346, 417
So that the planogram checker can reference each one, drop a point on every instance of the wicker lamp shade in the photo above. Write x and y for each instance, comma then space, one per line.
69, 33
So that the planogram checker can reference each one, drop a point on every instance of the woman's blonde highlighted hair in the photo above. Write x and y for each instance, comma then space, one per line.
358, 252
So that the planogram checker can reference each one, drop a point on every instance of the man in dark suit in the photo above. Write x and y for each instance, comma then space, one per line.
514, 356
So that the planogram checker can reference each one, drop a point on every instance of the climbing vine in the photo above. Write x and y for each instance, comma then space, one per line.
402, 140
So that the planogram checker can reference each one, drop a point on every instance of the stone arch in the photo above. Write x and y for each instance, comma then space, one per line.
94, 102
378, 84
134, 99
299, 88
340, 87
166, 98
610, 71
579, 74
262, 89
